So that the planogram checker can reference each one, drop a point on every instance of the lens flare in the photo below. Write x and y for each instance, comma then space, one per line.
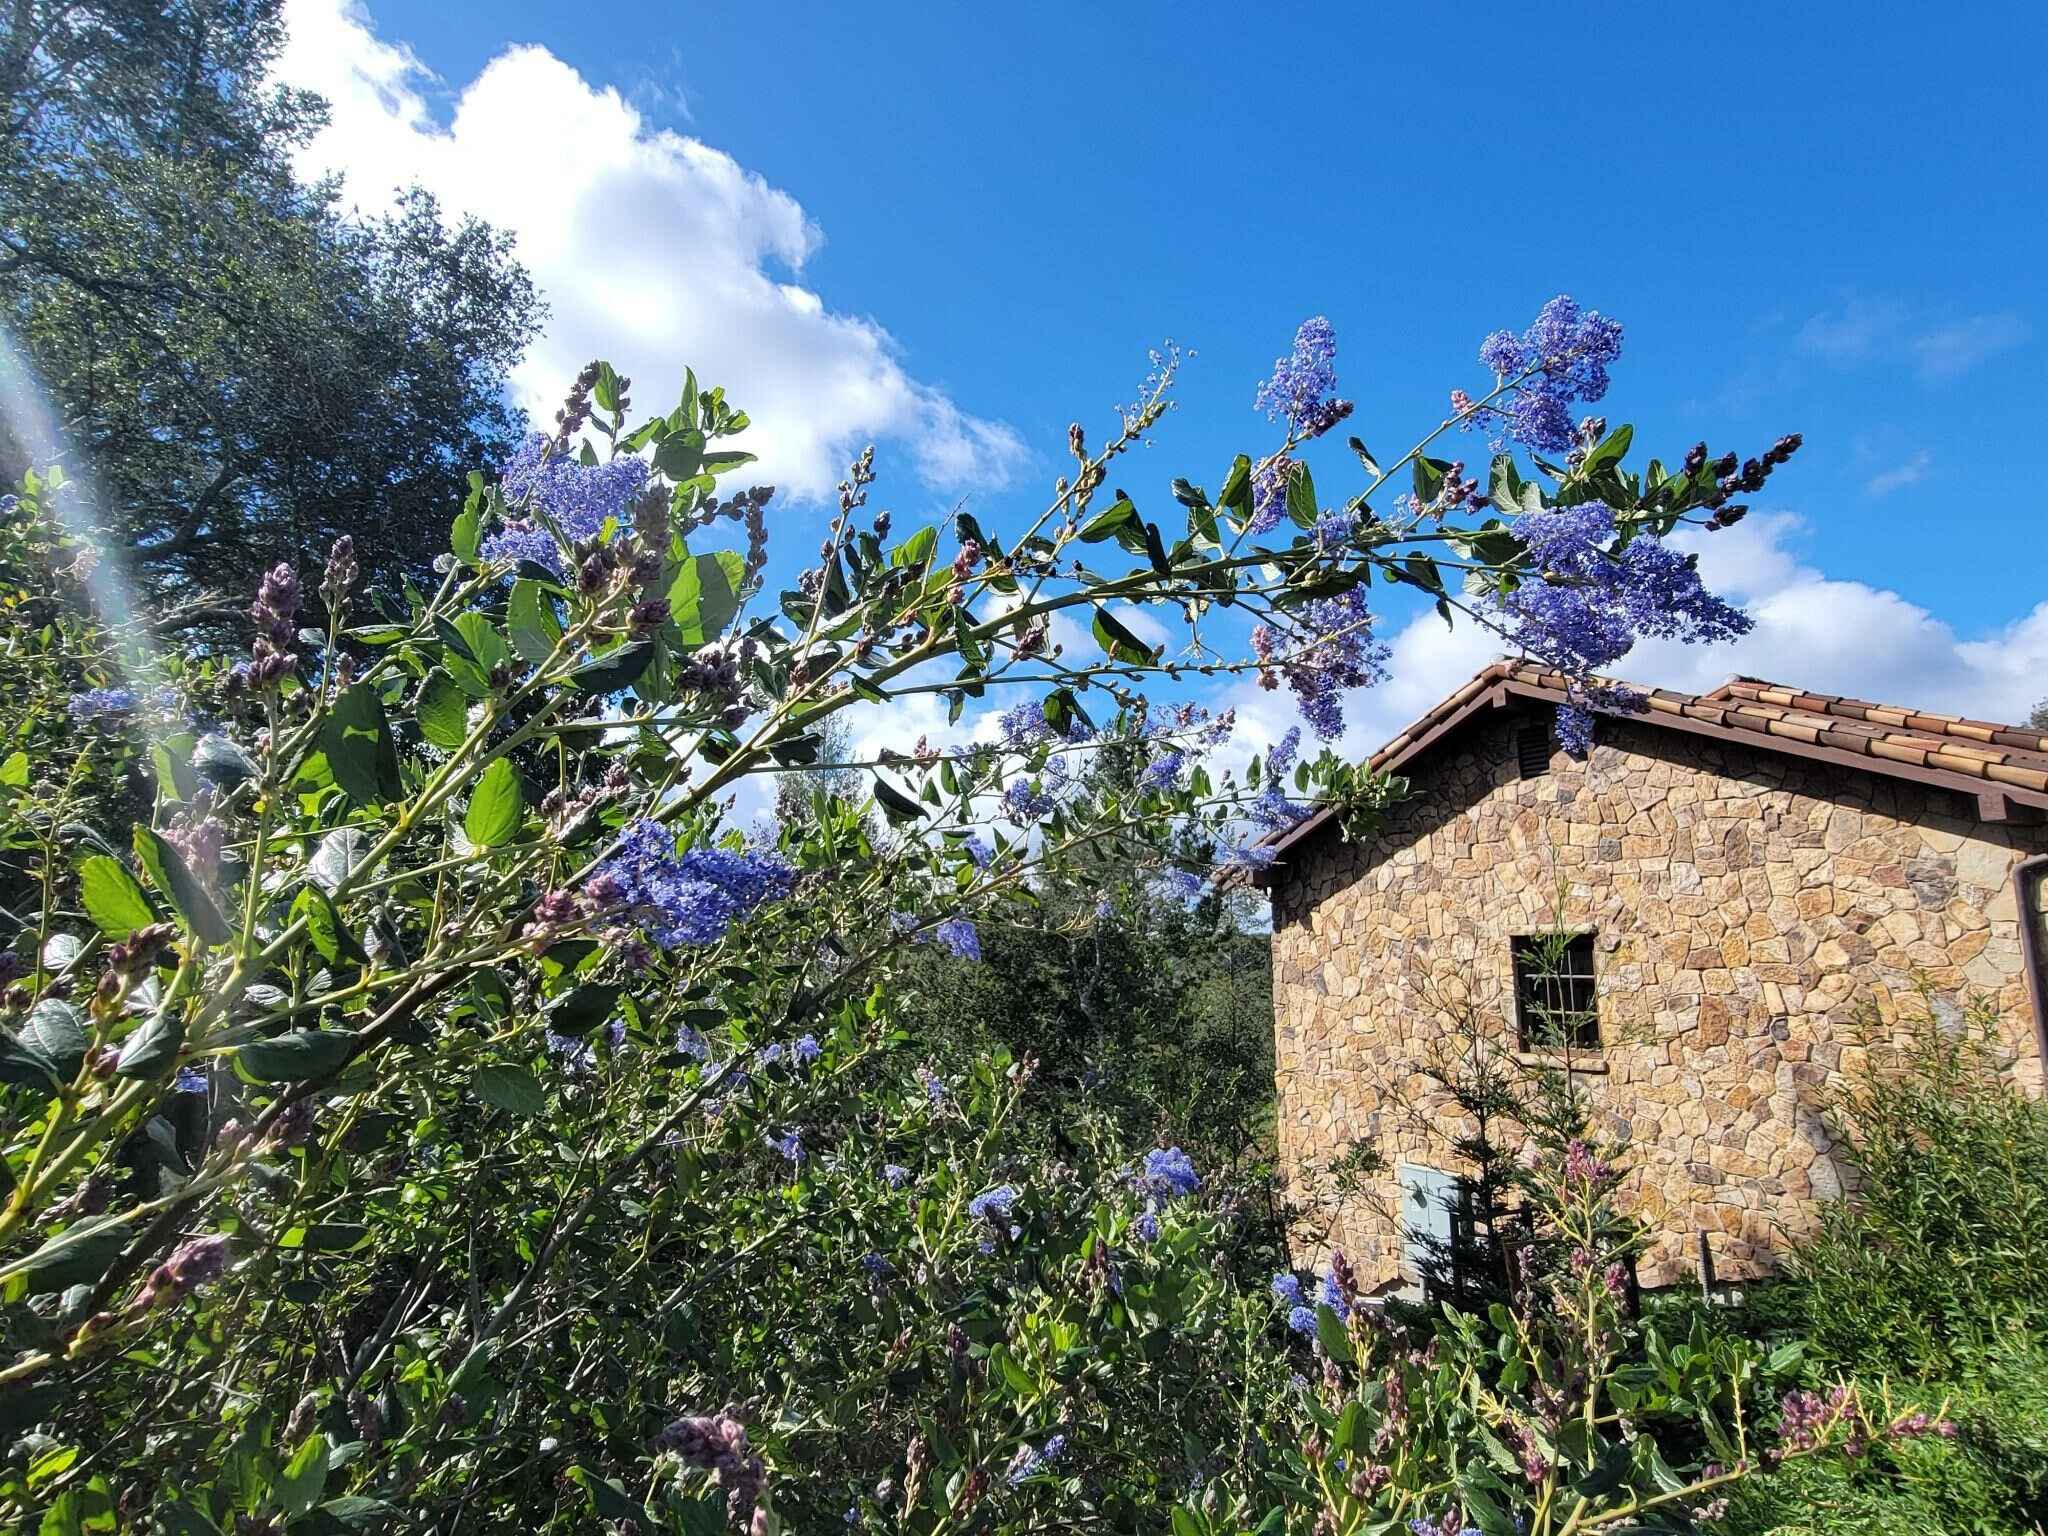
26, 411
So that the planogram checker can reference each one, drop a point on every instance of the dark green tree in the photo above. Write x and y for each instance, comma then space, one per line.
1143, 991
236, 368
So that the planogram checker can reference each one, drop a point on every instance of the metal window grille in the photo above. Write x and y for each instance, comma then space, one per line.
1556, 1002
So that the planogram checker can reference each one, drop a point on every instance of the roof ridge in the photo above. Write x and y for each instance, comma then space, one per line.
1952, 751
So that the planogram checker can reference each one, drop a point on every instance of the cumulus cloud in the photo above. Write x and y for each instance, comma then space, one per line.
652, 248
1812, 630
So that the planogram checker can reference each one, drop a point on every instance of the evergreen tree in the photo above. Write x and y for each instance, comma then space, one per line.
244, 370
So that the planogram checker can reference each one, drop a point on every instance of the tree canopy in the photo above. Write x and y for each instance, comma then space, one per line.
237, 366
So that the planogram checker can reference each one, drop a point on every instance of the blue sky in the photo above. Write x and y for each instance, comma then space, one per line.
1810, 219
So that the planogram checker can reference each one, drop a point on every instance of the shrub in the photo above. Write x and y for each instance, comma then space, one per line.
1931, 1271
1943, 1251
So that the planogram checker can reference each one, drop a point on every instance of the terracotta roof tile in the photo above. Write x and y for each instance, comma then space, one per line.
1770, 715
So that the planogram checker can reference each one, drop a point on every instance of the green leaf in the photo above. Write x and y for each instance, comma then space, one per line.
167, 869
339, 855
155, 1045
512, 1089
496, 806
680, 455
14, 772
719, 463
1346, 1436
614, 670
358, 1512
78, 1255
1429, 478
326, 1237
112, 897
1119, 643
530, 614
221, 763
896, 805
1015, 1376
465, 538
295, 1057
470, 1374
1365, 457
581, 1009
1104, 524
442, 710
330, 936
609, 1502
916, 549
1609, 450
1302, 507
1236, 494
705, 595
24, 1063
451, 637
1422, 571
1330, 1332
304, 1477
55, 1032
359, 746
487, 648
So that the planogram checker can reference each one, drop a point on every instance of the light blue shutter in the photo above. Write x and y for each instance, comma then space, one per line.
1428, 1196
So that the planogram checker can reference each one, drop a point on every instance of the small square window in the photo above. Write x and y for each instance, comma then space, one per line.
1555, 1004
1532, 750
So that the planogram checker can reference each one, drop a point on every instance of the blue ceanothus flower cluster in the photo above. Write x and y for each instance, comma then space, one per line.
581, 498
1571, 348
991, 1208
1585, 605
1336, 652
1588, 595
691, 898
1302, 389
1168, 1175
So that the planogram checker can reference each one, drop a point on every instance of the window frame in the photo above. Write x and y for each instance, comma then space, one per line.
1586, 1037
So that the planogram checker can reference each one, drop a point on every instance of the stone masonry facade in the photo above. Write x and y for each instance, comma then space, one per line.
1748, 908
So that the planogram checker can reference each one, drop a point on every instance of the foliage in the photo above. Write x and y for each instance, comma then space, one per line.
1932, 1272
1153, 1012
1943, 1253
429, 1113
1552, 1411
243, 369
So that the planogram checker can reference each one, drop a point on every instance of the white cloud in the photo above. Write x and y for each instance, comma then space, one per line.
1852, 333
652, 248
1949, 350
1911, 471
1812, 631
1863, 330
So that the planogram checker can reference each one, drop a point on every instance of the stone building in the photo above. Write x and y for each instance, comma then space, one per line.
1713, 900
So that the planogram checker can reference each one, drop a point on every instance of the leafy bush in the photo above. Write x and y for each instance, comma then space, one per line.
1935, 1270
1943, 1252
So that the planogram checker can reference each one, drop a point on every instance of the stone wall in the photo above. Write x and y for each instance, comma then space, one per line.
1748, 906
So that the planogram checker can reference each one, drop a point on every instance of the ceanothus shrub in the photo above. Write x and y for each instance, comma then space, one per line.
424, 1109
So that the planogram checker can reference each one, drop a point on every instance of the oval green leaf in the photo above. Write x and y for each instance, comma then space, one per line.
496, 808
112, 897
295, 1057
